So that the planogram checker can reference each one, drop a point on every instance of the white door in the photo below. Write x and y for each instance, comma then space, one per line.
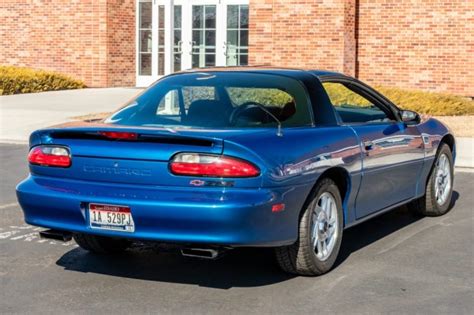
205, 33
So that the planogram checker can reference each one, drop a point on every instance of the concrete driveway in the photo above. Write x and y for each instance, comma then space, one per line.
22, 114
397, 263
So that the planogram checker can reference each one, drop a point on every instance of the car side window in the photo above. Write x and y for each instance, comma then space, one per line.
353, 107
169, 104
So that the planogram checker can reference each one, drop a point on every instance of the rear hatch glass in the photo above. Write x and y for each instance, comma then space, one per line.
219, 100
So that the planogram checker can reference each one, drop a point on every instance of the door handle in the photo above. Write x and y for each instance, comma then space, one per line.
192, 44
180, 47
226, 48
368, 145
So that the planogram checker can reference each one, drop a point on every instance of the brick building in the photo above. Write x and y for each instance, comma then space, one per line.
424, 44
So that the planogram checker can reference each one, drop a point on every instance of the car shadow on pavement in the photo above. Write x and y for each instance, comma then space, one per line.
379, 227
249, 267
245, 267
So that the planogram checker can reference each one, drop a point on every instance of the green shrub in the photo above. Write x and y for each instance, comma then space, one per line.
429, 103
17, 80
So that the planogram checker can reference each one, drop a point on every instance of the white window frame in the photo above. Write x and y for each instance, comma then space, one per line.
186, 26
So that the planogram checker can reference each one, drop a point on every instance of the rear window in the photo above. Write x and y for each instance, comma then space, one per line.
218, 100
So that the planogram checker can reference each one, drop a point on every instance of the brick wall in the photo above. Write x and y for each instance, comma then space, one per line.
121, 42
71, 37
414, 44
418, 44
300, 33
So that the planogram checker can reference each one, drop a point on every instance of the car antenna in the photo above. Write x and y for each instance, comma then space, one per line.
279, 132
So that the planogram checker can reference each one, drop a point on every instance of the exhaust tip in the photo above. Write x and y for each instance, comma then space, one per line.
56, 235
204, 253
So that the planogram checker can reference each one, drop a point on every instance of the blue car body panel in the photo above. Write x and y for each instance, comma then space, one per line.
391, 168
192, 215
230, 211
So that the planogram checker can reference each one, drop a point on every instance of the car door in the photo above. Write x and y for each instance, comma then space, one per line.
392, 151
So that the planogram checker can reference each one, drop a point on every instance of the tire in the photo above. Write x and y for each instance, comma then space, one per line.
101, 244
303, 257
430, 204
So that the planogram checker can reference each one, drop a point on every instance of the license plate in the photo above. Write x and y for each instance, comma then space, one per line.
111, 217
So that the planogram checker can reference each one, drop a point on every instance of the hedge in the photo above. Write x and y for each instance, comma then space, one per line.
429, 103
17, 80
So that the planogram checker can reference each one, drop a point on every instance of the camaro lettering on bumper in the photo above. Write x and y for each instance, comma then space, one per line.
116, 170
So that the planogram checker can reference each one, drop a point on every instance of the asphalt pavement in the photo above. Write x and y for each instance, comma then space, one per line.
396, 263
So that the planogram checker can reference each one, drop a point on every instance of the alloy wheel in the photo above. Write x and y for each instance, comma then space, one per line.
324, 228
443, 179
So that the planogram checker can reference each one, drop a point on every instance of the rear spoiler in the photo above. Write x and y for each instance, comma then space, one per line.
134, 136
98, 131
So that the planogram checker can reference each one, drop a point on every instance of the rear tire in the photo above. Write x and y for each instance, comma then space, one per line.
101, 244
437, 200
307, 255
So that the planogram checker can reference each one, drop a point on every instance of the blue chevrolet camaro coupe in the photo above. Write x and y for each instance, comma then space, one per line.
209, 160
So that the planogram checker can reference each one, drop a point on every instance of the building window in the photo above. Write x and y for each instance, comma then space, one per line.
178, 41
203, 33
204, 36
161, 40
237, 35
144, 32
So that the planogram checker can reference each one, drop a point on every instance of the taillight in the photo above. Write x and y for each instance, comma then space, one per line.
195, 164
119, 135
50, 156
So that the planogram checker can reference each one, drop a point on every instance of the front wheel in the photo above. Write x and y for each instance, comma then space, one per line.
320, 234
439, 188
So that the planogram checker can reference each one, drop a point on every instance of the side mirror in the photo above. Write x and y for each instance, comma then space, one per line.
410, 117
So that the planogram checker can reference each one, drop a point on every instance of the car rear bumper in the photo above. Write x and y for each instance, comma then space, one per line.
217, 216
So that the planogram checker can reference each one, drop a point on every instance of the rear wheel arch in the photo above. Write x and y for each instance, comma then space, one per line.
340, 177
302, 257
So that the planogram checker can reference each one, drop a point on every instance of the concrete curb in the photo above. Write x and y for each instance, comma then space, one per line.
463, 170
465, 152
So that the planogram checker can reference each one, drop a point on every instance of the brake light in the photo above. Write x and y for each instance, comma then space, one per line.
119, 135
50, 156
194, 164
